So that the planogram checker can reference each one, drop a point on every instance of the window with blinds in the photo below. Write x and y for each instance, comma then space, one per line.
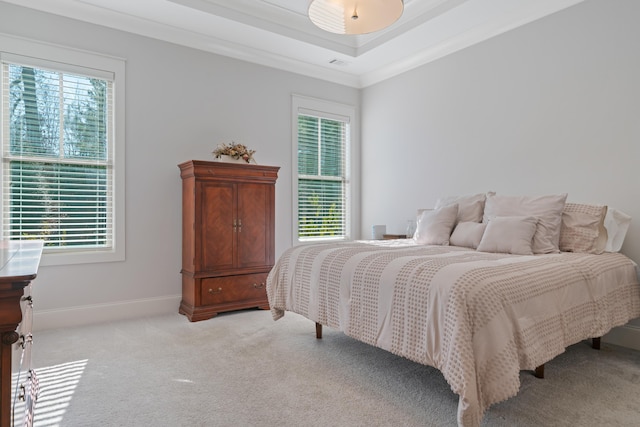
322, 188
57, 163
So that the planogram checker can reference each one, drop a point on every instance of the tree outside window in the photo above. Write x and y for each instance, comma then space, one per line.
56, 158
322, 179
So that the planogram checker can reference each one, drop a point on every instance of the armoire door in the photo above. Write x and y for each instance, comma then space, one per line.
255, 232
217, 231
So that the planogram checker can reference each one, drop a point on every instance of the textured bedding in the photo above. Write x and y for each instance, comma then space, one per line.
478, 317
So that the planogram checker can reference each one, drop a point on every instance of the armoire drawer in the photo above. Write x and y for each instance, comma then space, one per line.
228, 289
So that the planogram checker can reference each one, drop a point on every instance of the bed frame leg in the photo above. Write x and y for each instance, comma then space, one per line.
539, 371
318, 330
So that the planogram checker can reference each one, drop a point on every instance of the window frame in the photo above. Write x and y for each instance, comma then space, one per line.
332, 111
71, 60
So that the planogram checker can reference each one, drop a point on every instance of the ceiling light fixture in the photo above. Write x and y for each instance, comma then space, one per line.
354, 16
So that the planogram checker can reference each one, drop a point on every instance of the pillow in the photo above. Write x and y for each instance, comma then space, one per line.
470, 208
617, 224
467, 234
583, 228
548, 210
509, 234
434, 226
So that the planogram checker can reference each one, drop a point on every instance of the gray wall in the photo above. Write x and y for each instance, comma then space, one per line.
180, 104
551, 107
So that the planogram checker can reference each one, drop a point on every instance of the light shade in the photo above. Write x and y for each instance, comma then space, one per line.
354, 16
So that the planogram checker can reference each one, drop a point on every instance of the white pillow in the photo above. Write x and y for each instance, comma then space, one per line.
470, 207
548, 210
509, 234
434, 226
617, 224
467, 234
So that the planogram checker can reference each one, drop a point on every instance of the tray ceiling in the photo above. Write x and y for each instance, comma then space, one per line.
278, 33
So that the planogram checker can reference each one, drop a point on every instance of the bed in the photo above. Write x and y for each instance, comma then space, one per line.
480, 317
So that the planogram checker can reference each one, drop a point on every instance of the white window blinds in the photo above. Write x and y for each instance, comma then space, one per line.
57, 155
322, 176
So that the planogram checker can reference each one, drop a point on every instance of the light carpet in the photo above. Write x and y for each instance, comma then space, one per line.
244, 369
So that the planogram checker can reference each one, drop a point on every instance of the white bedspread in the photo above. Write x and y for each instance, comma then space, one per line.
478, 317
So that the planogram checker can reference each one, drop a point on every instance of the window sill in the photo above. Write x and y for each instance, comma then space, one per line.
85, 257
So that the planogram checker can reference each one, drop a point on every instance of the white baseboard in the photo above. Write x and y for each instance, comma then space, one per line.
98, 313
625, 336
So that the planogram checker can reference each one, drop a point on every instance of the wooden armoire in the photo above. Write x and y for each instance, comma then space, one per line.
228, 236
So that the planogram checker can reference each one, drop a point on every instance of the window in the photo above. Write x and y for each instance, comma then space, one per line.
59, 171
322, 188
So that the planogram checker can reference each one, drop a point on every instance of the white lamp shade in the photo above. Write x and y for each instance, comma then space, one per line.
354, 16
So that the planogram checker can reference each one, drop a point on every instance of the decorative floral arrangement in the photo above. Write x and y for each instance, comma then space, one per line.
237, 151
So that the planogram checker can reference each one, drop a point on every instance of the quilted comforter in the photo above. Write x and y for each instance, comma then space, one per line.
478, 317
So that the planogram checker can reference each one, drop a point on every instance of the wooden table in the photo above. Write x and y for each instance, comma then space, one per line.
19, 261
393, 236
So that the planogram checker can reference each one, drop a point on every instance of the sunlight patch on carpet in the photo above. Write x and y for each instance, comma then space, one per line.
56, 387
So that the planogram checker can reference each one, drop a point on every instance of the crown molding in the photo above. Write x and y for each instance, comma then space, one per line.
441, 27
